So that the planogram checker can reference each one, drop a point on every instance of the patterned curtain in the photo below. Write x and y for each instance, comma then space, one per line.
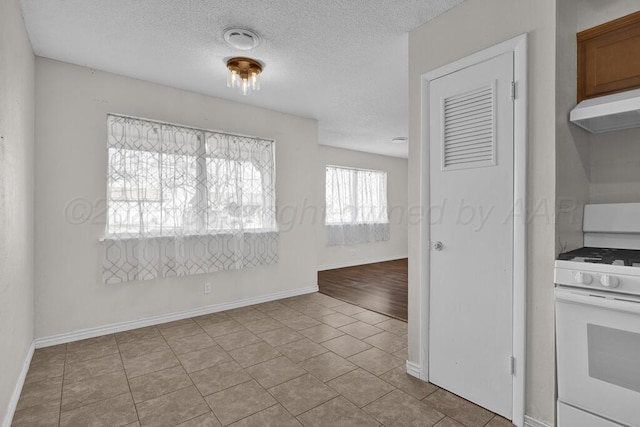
356, 206
184, 201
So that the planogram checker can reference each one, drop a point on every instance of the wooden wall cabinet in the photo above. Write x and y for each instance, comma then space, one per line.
609, 57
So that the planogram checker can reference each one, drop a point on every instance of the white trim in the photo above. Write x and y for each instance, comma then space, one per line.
532, 422
361, 262
155, 320
13, 403
517, 45
413, 369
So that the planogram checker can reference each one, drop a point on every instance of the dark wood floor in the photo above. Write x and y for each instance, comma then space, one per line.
380, 287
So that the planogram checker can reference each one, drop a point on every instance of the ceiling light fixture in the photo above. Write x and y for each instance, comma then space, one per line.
399, 140
244, 73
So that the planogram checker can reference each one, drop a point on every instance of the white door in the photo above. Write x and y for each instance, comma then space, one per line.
471, 257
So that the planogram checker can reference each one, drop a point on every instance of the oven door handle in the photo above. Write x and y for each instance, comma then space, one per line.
584, 298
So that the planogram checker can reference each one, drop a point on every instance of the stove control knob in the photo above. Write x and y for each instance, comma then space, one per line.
582, 278
609, 281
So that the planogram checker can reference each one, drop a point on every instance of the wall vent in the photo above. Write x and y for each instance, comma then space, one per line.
469, 129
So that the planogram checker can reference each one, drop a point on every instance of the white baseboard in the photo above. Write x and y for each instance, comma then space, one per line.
532, 422
13, 403
413, 369
353, 263
155, 320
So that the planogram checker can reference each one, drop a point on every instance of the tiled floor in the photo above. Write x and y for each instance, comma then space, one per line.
310, 360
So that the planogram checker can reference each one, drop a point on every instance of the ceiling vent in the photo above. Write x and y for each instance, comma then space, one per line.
241, 38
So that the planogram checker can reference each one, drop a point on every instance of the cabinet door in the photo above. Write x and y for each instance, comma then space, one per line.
609, 57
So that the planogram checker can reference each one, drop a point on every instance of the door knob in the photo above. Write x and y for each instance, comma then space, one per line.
438, 246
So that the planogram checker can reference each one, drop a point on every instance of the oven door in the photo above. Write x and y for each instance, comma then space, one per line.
598, 351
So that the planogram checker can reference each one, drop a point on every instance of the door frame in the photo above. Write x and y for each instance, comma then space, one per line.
517, 45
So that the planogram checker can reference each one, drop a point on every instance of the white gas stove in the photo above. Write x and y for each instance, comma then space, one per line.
598, 321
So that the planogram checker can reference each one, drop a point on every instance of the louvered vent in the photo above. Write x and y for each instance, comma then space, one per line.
469, 137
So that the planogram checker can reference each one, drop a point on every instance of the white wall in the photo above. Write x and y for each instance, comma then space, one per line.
595, 12
572, 143
465, 29
71, 165
16, 198
396, 247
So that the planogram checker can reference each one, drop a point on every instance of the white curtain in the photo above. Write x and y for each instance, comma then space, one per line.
356, 206
183, 201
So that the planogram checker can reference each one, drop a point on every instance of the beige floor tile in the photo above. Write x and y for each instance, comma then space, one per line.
337, 319
403, 353
137, 348
254, 354
219, 377
376, 361
370, 317
387, 341
85, 369
321, 333
155, 384
399, 409
409, 384
137, 334
211, 319
92, 348
498, 421
360, 330
301, 322
317, 311
174, 323
222, 328
327, 301
360, 387
42, 415
280, 336
191, 343
95, 389
284, 314
449, 422
39, 392
302, 393
150, 362
45, 367
303, 349
203, 358
206, 420
275, 416
266, 307
264, 325
183, 330
327, 366
44, 353
349, 309
275, 371
394, 326
115, 411
248, 316
338, 412
173, 408
459, 409
346, 345
240, 401
135, 424
237, 340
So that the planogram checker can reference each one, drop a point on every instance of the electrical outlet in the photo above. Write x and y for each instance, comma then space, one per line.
207, 288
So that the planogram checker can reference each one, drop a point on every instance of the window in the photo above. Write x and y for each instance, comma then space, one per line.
183, 201
167, 180
356, 205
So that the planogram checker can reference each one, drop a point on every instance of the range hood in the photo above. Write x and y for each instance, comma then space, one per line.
608, 113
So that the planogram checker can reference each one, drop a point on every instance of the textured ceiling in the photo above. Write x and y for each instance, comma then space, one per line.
342, 62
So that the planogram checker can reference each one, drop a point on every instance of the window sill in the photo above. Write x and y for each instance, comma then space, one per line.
119, 237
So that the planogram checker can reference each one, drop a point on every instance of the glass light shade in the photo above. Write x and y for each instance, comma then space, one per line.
244, 74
